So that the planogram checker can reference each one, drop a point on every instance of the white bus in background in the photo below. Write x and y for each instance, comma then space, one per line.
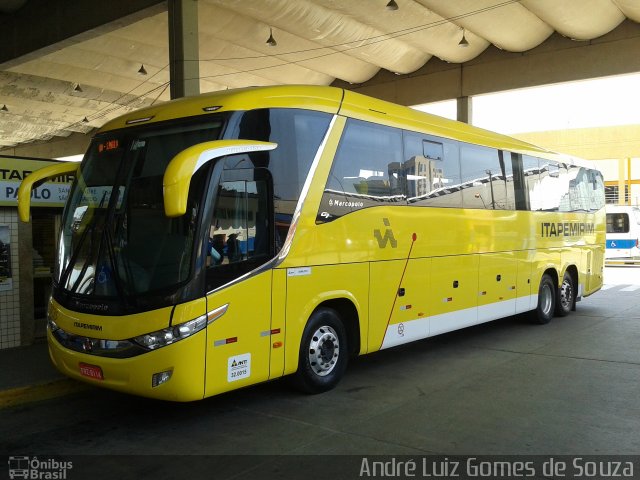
623, 233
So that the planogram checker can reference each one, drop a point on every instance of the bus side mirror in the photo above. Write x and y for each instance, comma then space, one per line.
177, 176
26, 186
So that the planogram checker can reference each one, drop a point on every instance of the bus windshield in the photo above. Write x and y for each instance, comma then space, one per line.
116, 240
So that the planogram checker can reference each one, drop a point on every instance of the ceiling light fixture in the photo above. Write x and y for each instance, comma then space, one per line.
77, 88
271, 41
142, 70
463, 41
392, 5
4, 108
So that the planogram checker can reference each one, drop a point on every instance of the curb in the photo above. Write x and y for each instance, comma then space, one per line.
34, 393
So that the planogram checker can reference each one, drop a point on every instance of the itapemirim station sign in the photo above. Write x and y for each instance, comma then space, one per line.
52, 193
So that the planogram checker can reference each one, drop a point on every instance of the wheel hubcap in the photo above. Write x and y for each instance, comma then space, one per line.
324, 350
546, 299
566, 295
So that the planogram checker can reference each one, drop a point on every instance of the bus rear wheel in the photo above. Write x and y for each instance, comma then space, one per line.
323, 352
566, 296
546, 301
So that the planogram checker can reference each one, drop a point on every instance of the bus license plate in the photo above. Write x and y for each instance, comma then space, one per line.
91, 371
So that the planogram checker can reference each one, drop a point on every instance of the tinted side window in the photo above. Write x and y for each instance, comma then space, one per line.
557, 186
520, 188
432, 171
580, 189
487, 179
596, 191
551, 186
367, 170
531, 170
240, 233
298, 134
566, 183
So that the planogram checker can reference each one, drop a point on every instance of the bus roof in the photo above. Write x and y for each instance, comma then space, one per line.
331, 100
325, 99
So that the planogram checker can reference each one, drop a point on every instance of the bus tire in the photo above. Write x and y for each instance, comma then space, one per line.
546, 301
566, 296
323, 352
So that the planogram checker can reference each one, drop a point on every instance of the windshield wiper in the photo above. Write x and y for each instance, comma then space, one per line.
90, 256
72, 261
114, 266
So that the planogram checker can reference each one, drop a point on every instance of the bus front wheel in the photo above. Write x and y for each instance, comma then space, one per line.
323, 352
546, 300
566, 296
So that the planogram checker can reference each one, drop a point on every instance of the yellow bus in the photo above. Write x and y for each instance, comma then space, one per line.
214, 242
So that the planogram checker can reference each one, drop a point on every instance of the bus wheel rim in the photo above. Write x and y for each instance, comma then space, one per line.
324, 351
566, 294
546, 299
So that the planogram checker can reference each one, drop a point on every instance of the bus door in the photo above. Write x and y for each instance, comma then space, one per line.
240, 241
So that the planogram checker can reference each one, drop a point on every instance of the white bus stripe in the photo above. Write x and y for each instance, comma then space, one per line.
416, 329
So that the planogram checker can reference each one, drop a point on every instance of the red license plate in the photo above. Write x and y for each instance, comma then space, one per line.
91, 371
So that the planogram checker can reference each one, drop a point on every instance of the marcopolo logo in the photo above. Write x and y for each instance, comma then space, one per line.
387, 238
37, 469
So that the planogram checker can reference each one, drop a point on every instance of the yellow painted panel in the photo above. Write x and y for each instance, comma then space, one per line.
454, 283
110, 327
385, 280
239, 342
544, 259
596, 275
278, 322
523, 280
386, 232
387, 306
185, 312
497, 278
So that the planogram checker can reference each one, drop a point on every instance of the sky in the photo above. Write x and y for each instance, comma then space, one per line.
588, 103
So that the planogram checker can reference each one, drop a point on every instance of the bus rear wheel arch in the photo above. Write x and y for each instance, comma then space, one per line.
324, 352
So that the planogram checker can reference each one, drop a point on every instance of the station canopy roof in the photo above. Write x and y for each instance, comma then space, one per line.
80, 83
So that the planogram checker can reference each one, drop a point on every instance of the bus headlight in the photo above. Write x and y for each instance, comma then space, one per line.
51, 324
167, 336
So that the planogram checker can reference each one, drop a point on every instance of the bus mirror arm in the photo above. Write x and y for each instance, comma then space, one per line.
27, 185
182, 167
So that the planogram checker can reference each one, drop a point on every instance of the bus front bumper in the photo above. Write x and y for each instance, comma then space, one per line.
181, 365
